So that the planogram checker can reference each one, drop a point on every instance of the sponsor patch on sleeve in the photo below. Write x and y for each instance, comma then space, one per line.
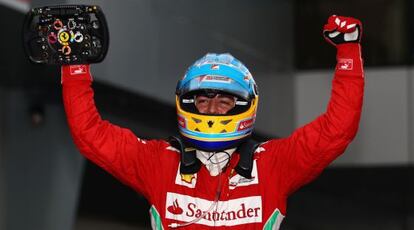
78, 69
345, 64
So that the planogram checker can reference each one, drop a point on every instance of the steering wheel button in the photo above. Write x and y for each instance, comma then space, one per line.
52, 38
95, 25
58, 24
45, 55
63, 37
78, 37
71, 24
66, 50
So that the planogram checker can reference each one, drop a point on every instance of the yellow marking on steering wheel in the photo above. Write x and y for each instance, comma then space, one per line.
64, 37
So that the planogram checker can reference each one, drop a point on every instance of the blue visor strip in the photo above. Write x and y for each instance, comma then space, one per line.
214, 135
211, 146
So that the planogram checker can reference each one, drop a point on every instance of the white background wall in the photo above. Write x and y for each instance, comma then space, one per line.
385, 136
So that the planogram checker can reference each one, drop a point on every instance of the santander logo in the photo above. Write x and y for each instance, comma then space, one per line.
227, 213
175, 208
245, 124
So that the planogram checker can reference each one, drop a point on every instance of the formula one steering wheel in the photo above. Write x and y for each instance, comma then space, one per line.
68, 34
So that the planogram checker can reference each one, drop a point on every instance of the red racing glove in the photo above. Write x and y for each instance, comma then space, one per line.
340, 30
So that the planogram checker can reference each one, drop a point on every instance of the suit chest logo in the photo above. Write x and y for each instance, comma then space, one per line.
238, 181
227, 213
187, 180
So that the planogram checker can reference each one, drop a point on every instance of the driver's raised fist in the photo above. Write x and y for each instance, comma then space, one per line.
340, 30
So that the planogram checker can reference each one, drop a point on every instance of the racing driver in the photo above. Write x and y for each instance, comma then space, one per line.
213, 174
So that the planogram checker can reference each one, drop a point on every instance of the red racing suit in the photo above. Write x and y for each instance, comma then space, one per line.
281, 166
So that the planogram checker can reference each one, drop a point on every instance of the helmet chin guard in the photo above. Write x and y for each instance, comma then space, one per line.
221, 73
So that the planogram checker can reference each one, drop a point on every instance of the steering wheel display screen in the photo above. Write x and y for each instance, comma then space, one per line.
59, 35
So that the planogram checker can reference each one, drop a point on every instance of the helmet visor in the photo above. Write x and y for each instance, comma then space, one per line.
215, 83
